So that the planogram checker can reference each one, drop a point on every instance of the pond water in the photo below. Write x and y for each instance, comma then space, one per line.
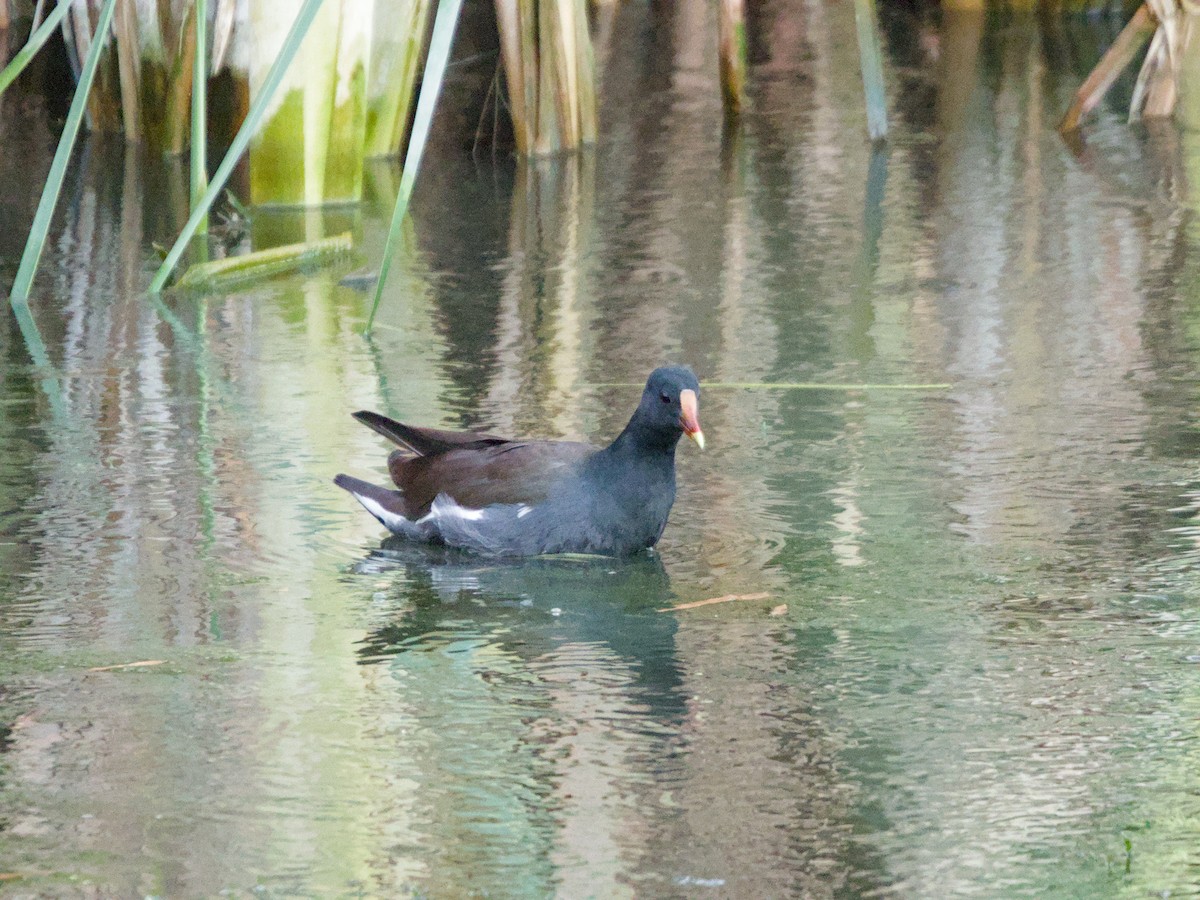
976, 666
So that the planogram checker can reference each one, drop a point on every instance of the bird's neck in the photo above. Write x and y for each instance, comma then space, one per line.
644, 443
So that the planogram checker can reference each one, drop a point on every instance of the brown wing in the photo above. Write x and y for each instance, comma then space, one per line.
484, 473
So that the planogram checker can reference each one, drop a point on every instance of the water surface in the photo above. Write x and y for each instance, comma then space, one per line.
977, 669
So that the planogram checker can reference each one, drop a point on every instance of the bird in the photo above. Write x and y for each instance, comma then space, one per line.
502, 497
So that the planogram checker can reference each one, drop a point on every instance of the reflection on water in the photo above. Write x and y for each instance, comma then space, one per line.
985, 679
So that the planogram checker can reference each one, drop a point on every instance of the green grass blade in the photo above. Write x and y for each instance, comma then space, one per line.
431, 84
287, 52
62, 157
199, 157
10, 72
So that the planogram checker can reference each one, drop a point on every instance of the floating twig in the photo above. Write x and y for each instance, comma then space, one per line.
133, 665
727, 598
796, 386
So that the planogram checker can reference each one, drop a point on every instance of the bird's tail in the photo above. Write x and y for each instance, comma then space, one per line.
386, 506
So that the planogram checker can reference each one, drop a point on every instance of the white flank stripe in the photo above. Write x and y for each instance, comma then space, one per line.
390, 519
446, 508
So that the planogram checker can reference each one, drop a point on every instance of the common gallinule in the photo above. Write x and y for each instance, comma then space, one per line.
522, 498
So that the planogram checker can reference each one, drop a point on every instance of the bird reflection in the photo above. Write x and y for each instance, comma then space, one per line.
542, 693
527, 607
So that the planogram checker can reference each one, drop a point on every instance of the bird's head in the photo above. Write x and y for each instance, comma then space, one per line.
670, 404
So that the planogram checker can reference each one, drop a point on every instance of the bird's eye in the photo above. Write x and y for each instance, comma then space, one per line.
664, 397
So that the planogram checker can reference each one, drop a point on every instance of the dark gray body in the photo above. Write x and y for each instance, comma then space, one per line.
524, 498
611, 505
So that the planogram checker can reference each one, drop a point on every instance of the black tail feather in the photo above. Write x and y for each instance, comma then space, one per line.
421, 441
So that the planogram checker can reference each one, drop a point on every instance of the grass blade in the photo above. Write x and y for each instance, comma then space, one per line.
254, 117
62, 157
10, 72
431, 85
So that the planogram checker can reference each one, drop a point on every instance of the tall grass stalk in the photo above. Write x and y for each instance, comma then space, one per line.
870, 53
198, 170
62, 157
39, 37
254, 116
444, 24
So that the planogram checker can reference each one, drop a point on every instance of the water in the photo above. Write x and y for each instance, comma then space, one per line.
976, 671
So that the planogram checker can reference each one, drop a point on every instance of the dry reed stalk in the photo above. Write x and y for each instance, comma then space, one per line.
1157, 87
509, 24
129, 68
178, 121
222, 34
731, 29
550, 69
530, 67
566, 70
547, 137
585, 78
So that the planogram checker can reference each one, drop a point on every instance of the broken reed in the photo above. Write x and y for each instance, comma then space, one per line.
1169, 61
